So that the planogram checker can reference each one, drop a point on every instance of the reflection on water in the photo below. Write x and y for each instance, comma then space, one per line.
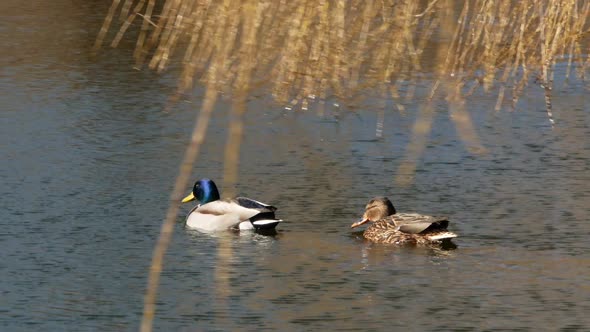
89, 159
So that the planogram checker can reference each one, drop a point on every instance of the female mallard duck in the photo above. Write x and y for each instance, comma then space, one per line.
214, 214
401, 228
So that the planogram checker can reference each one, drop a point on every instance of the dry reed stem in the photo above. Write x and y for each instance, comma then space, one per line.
140, 51
105, 26
236, 128
184, 174
339, 48
127, 22
125, 10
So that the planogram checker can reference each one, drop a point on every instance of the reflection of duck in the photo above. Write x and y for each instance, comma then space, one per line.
213, 214
401, 228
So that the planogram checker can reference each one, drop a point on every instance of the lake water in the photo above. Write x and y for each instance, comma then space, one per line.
89, 158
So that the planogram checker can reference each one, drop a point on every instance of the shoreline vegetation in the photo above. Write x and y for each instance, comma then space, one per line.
308, 52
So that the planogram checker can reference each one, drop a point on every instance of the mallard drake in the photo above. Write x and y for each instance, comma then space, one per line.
401, 228
214, 214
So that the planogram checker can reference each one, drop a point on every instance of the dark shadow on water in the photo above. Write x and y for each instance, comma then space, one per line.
368, 140
444, 245
448, 244
357, 235
271, 233
267, 232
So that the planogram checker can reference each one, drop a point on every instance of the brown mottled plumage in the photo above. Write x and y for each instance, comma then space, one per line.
401, 228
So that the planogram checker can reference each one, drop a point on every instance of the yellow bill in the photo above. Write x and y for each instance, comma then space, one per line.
189, 198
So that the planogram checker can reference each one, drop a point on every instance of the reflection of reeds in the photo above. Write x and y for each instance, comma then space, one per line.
190, 156
305, 50
322, 48
308, 50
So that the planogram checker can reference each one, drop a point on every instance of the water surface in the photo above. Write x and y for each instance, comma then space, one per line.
89, 158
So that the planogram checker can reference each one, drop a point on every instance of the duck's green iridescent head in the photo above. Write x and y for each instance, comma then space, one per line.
204, 191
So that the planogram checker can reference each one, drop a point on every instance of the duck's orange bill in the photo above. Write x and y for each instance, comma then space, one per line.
188, 198
358, 223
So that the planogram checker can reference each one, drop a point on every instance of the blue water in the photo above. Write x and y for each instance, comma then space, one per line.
89, 157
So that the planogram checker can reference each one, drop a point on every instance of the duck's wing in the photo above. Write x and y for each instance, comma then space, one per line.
223, 214
414, 223
228, 207
265, 218
216, 216
253, 204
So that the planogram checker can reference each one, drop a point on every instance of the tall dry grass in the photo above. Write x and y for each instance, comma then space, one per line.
315, 49
311, 51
